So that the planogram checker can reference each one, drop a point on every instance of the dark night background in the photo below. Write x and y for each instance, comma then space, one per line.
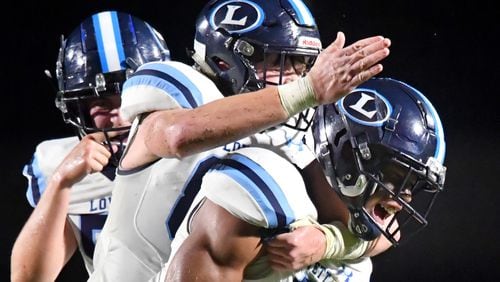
447, 50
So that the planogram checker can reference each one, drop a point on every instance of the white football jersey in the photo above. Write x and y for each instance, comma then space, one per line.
150, 202
266, 190
89, 198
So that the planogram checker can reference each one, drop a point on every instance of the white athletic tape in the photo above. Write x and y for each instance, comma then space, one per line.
297, 96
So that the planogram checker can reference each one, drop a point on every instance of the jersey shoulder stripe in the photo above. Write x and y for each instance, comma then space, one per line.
48, 155
165, 85
164, 78
36, 181
261, 185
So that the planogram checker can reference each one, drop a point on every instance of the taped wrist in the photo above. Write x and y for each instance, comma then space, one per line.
341, 244
297, 96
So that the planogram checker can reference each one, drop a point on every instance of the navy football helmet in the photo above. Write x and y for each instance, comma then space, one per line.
232, 36
95, 60
384, 136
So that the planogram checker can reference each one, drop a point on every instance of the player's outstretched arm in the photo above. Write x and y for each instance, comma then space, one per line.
218, 248
338, 70
46, 241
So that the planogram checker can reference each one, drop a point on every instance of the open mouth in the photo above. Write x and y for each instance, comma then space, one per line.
383, 210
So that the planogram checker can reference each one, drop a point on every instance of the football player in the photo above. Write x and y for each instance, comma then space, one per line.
179, 113
70, 179
381, 147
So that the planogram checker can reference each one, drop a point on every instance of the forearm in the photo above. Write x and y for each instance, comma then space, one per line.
41, 249
178, 133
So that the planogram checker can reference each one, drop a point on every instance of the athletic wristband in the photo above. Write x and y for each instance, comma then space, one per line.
297, 96
341, 244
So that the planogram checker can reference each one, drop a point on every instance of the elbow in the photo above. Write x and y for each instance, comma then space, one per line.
178, 141
169, 140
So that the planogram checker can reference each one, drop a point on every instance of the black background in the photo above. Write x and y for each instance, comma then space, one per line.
447, 50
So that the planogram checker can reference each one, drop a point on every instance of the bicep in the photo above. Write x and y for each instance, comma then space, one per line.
219, 247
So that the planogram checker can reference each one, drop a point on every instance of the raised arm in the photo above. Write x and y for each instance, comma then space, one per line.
218, 248
336, 72
47, 241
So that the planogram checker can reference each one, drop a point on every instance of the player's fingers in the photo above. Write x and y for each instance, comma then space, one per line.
279, 260
360, 44
279, 265
95, 166
102, 156
280, 241
371, 54
276, 253
368, 67
338, 44
367, 74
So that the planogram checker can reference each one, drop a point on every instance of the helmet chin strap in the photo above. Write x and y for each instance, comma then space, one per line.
361, 224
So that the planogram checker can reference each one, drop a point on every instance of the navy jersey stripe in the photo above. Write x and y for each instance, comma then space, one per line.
266, 190
35, 189
186, 92
189, 192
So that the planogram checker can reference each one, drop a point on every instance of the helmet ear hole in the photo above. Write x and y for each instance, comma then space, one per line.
221, 64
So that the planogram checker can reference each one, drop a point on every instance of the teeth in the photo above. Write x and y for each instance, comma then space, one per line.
390, 210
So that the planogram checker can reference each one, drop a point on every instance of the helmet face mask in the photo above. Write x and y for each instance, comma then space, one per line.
382, 149
246, 45
397, 179
280, 63
93, 63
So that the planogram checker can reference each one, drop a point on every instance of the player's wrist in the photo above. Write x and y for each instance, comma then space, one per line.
297, 96
330, 247
341, 243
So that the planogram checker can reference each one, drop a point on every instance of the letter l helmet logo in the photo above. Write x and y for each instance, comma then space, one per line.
230, 14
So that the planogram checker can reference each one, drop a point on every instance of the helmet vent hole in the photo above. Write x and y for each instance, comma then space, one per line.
339, 135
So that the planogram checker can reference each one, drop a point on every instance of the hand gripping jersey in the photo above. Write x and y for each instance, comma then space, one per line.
89, 198
260, 187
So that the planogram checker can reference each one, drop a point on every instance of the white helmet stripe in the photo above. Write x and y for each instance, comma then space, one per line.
109, 41
441, 145
303, 13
